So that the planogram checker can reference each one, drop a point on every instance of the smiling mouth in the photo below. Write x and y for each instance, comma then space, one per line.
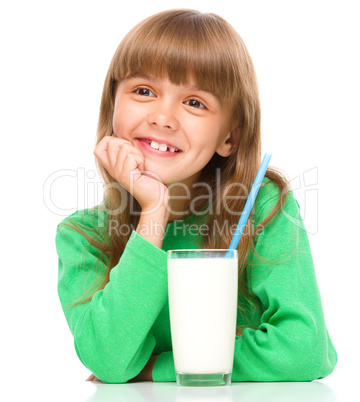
162, 147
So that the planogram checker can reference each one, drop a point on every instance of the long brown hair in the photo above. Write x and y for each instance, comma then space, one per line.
174, 44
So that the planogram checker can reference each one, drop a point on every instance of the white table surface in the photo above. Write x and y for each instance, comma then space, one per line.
86, 391
244, 392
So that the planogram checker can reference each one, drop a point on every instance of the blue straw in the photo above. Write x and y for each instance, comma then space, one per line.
249, 202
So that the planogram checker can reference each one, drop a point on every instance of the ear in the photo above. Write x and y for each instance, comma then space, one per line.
230, 143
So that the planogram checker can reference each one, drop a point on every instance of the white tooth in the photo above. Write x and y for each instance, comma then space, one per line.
154, 145
172, 149
162, 147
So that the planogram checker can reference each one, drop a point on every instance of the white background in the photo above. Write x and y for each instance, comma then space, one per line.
55, 56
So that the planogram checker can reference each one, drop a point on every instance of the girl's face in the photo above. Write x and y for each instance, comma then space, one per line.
183, 117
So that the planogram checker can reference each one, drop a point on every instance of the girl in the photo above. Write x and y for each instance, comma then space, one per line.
178, 148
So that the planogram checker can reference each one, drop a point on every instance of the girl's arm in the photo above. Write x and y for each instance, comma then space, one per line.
146, 372
292, 342
144, 375
112, 332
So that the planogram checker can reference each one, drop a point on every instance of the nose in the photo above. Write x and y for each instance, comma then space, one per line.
163, 115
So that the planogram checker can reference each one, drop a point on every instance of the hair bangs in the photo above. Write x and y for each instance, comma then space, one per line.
183, 48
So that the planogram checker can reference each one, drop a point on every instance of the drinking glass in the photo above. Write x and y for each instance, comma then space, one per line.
203, 289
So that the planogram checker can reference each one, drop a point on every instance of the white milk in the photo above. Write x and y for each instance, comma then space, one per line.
203, 306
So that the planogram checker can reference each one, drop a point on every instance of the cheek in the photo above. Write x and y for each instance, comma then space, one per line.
200, 156
205, 138
125, 118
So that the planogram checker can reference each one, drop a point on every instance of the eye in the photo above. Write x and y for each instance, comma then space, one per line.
143, 92
195, 103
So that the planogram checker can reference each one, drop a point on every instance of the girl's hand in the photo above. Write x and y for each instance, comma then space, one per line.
144, 375
125, 163
92, 378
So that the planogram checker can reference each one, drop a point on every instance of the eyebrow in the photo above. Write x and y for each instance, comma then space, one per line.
188, 87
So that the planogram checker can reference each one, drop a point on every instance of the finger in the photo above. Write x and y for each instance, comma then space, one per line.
118, 151
100, 153
115, 146
102, 150
124, 151
130, 166
91, 378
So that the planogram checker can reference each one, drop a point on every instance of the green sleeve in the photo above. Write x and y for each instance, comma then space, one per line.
291, 342
112, 332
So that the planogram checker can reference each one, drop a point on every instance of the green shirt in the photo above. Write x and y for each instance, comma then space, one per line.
123, 325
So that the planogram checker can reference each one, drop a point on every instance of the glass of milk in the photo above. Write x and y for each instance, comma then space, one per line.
203, 288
